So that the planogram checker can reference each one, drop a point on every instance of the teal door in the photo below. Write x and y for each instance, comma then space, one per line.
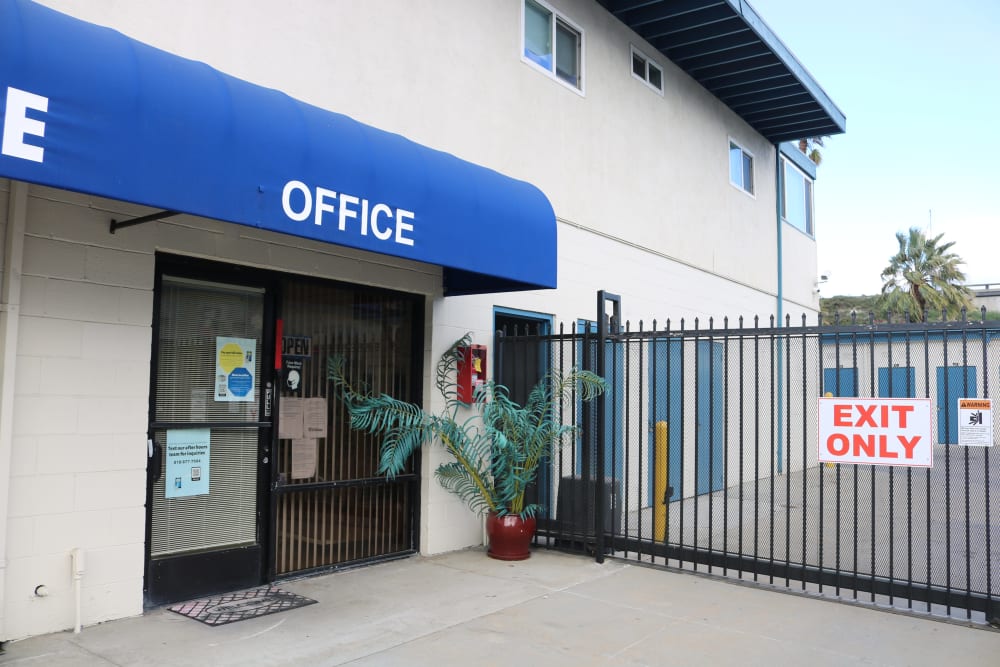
666, 397
840, 381
953, 383
665, 403
710, 458
897, 382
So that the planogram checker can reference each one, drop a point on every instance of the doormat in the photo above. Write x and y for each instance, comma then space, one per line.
241, 605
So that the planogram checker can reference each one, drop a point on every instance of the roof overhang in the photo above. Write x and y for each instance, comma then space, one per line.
727, 48
87, 109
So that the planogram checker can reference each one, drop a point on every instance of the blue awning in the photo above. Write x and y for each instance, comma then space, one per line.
87, 109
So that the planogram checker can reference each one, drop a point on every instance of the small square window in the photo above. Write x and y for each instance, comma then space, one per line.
655, 77
646, 70
740, 167
552, 43
638, 65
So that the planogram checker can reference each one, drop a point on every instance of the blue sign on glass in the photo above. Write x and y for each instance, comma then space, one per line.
240, 382
189, 451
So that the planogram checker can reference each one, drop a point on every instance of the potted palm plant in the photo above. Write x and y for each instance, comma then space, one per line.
497, 450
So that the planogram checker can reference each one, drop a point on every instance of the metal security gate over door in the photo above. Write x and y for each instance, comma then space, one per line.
331, 507
209, 435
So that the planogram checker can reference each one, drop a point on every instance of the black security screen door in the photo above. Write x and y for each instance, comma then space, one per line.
331, 507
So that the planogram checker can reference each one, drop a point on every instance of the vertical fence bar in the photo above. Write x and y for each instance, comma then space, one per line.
626, 432
603, 298
756, 448
711, 436
993, 609
772, 376
805, 461
872, 469
696, 496
667, 382
742, 441
680, 440
641, 441
836, 527
725, 445
927, 472
891, 471
854, 468
947, 467
787, 338
965, 451
909, 485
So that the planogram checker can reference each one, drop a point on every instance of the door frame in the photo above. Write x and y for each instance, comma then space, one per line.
544, 324
192, 575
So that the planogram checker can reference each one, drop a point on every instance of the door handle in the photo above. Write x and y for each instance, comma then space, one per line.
155, 465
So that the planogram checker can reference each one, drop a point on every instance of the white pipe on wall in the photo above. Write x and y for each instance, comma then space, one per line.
76, 561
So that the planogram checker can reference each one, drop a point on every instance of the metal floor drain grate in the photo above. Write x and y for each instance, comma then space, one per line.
240, 605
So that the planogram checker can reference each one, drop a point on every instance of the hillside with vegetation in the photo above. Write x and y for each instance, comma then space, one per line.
862, 305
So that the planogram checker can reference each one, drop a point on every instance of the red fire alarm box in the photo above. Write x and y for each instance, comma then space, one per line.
471, 371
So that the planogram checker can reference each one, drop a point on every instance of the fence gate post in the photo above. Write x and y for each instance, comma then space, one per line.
604, 322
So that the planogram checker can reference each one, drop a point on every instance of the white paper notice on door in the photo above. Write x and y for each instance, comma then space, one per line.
315, 417
303, 458
290, 423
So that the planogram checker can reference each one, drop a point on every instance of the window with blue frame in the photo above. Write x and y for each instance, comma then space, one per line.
740, 167
797, 198
552, 43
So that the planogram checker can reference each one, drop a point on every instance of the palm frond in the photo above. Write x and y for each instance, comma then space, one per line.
458, 479
496, 451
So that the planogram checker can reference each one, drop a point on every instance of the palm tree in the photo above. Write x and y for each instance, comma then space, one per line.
924, 276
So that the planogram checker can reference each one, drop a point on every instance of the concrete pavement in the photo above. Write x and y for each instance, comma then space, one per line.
463, 608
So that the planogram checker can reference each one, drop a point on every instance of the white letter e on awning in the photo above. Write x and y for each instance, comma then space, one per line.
16, 124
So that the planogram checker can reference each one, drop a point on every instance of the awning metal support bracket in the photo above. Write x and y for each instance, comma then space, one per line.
115, 225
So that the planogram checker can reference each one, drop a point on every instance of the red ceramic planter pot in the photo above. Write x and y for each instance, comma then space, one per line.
510, 536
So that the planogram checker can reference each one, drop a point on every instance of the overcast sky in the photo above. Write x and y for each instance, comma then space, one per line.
919, 82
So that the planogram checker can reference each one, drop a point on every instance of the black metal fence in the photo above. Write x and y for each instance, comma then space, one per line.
702, 455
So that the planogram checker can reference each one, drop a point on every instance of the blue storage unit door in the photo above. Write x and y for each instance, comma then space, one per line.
840, 381
897, 382
668, 376
953, 383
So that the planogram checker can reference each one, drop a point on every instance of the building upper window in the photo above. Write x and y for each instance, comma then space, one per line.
647, 71
553, 44
740, 167
797, 198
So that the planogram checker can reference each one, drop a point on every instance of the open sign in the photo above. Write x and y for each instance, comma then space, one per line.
882, 431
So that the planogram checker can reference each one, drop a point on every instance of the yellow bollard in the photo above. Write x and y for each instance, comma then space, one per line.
660, 483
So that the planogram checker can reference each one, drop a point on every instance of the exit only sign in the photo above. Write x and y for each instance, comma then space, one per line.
881, 431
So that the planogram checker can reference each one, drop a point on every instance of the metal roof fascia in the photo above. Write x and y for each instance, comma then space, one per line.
757, 24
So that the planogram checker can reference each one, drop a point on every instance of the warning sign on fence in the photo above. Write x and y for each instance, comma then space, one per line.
975, 422
882, 431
